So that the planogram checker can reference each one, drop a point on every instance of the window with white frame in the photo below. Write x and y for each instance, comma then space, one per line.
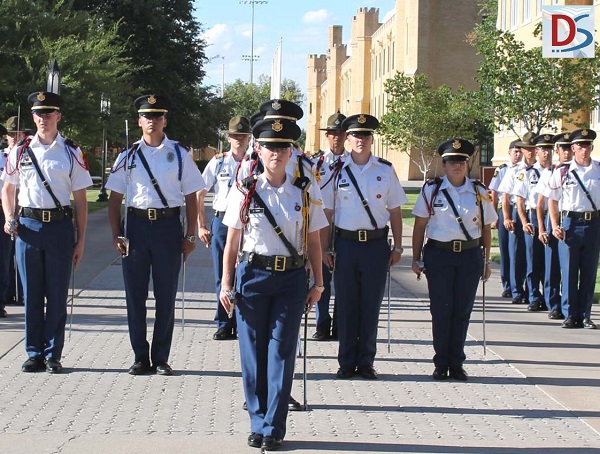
526, 10
540, 3
514, 13
503, 15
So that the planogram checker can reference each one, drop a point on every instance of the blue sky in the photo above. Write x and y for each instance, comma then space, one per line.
303, 25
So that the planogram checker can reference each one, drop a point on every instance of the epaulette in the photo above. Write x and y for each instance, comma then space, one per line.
480, 183
502, 166
71, 144
436, 181
247, 182
317, 154
384, 161
184, 147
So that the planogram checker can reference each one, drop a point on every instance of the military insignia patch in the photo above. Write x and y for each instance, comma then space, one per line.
276, 105
41, 96
496, 172
277, 126
297, 207
362, 119
456, 144
171, 156
547, 137
584, 132
151, 99
521, 176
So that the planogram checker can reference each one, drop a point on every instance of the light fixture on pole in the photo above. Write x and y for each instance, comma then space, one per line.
104, 114
53, 78
251, 57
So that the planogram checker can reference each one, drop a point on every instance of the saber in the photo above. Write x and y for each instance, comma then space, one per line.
483, 315
183, 297
72, 299
389, 315
304, 378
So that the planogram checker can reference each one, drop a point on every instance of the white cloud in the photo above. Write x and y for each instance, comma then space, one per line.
314, 17
216, 34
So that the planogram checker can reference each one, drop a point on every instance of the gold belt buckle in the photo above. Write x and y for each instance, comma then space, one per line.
280, 261
587, 216
362, 236
46, 216
456, 246
152, 214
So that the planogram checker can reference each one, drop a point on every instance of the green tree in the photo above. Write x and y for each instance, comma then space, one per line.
520, 88
32, 33
164, 44
245, 98
420, 117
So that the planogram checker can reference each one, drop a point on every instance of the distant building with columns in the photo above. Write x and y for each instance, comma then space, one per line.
421, 36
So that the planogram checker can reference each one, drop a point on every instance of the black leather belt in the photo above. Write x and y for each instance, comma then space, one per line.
153, 214
47, 215
272, 262
219, 214
455, 245
585, 215
363, 235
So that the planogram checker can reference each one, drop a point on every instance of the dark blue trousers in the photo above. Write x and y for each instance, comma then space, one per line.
552, 273
269, 312
154, 248
578, 263
324, 320
219, 237
516, 253
504, 255
452, 279
45, 260
534, 259
360, 275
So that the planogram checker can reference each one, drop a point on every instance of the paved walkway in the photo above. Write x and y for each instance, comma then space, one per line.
535, 390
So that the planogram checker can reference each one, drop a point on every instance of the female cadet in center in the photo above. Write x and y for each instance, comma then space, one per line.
274, 221
454, 213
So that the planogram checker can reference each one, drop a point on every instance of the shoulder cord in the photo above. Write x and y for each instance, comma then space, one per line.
362, 199
436, 190
456, 215
584, 189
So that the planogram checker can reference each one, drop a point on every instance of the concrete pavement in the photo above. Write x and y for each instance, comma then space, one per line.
535, 390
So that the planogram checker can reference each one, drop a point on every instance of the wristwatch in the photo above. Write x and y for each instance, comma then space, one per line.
319, 288
399, 249
190, 238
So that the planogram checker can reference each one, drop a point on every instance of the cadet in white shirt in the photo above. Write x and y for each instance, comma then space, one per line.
47, 169
277, 218
220, 173
159, 177
576, 225
363, 197
456, 255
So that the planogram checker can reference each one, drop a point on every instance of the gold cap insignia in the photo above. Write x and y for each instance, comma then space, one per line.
41, 96
584, 132
276, 105
151, 99
566, 135
547, 137
277, 126
456, 144
362, 119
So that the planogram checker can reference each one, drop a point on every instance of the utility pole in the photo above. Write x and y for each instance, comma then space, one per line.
252, 58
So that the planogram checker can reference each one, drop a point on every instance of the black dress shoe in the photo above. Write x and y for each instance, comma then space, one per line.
53, 366
440, 373
270, 443
320, 336
535, 306
506, 294
555, 315
245, 406
345, 372
224, 334
294, 405
588, 323
163, 369
3, 313
140, 368
33, 364
519, 300
255, 439
569, 323
458, 373
368, 373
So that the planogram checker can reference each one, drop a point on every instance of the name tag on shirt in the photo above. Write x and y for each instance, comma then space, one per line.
343, 185
257, 210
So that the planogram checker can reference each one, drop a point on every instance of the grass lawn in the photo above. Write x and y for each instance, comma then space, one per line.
92, 197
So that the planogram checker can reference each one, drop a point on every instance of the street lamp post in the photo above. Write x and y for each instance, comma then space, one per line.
104, 114
251, 57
